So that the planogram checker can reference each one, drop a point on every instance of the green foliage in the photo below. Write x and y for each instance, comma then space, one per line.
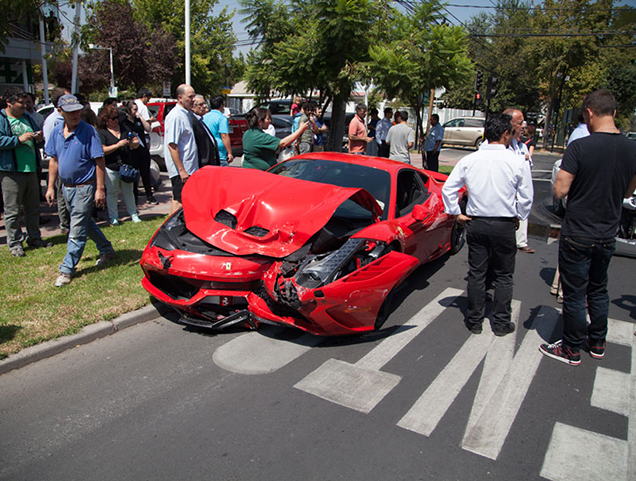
211, 39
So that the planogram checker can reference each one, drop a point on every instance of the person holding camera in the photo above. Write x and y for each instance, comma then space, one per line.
118, 144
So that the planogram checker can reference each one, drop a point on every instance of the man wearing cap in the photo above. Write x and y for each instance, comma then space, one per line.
19, 163
77, 156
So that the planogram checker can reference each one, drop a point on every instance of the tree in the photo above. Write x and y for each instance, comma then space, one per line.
312, 46
212, 40
140, 57
421, 56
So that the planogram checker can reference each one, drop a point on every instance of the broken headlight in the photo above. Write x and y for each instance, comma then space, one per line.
354, 254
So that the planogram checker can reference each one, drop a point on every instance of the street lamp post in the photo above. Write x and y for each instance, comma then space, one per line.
112, 73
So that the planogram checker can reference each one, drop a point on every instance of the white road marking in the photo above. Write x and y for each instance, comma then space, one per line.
592, 455
504, 382
392, 345
361, 386
580, 454
611, 391
255, 353
349, 385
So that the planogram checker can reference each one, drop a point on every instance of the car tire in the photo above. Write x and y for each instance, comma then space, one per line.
458, 238
383, 313
478, 142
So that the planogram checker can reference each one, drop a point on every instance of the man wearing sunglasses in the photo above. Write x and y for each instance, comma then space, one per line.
77, 157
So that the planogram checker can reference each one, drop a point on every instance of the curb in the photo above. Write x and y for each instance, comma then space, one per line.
87, 334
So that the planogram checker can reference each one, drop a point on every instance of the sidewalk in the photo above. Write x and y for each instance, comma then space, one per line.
50, 222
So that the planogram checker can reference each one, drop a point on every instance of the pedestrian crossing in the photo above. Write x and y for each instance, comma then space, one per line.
505, 379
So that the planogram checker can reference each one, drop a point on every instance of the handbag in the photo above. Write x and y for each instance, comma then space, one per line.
127, 173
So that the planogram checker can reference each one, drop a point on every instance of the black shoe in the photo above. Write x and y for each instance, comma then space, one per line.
561, 353
38, 243
502, 331
151, 200
596, 348
474, 328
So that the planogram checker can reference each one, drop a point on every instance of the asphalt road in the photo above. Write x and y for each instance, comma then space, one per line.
422, 399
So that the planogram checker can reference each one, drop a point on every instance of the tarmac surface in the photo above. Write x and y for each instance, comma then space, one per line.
49, 226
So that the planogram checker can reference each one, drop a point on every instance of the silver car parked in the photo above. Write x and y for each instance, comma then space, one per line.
464, 131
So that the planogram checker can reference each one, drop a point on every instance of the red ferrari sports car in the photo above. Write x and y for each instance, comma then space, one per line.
317, 242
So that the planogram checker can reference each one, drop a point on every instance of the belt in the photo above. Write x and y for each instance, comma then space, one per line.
502, 219
77, 185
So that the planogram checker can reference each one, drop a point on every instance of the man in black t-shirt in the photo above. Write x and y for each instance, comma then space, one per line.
597, 172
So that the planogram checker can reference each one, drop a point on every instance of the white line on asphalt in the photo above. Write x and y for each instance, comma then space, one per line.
581, 454
256, 353
393, 344
361, 386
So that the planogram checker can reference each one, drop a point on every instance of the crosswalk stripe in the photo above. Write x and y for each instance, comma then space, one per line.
611, 391
388, 349
578, 453
361, 386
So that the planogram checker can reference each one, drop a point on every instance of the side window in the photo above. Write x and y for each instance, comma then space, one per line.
460, 122
410, 192
154, 110
476, 123
451, 123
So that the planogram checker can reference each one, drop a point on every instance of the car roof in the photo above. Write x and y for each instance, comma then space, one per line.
381, 163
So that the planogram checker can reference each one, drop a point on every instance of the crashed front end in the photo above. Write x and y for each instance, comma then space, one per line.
262, 258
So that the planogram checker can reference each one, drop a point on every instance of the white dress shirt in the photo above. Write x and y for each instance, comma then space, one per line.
382, 129
499, 184
144, 113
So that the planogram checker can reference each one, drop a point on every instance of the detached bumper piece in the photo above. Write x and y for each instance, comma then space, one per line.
239, 317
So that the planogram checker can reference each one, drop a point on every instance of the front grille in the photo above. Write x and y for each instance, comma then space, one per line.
176, 287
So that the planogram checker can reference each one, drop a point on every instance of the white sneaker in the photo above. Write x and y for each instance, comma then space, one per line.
63, 280
114, 222
135, 218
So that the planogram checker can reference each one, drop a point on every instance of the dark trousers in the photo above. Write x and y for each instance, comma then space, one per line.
384, 150
432, 160
583, 267
491, 251
143, 163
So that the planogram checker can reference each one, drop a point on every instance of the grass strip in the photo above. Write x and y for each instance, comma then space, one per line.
33, 310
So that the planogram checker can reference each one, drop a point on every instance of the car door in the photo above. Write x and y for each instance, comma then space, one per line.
452, 131
420, 236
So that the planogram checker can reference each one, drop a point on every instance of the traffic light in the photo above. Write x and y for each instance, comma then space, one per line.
477, 98
491, 87
479, 79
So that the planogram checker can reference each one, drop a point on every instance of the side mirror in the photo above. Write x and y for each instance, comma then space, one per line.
420, 213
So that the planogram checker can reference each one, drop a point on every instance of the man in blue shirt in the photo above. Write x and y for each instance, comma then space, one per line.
433, 143
219, 125
78, 158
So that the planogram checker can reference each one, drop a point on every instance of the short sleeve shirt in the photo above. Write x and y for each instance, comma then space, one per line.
25, 156
399, 137
259, 149
178, 130
357, 128
436, 133
218, 124
76, 153
142, 109
603, 164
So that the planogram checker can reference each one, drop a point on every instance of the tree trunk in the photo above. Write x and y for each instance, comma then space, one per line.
337, 126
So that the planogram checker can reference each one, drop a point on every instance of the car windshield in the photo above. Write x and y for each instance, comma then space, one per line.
376, 182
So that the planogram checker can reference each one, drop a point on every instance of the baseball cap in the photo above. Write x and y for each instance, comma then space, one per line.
69, 103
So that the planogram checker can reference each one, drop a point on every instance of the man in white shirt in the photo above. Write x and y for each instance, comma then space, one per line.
381, 131
180, 148
500, 193
520, 149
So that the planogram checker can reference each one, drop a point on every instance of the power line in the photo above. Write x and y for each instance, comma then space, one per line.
590, 34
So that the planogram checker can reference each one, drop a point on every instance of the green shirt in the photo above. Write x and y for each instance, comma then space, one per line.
259, 149
26, 160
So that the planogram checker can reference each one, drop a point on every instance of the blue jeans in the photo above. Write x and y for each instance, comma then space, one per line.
583, 267
80, 202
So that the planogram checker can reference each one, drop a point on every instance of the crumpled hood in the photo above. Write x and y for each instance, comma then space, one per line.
288, 211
